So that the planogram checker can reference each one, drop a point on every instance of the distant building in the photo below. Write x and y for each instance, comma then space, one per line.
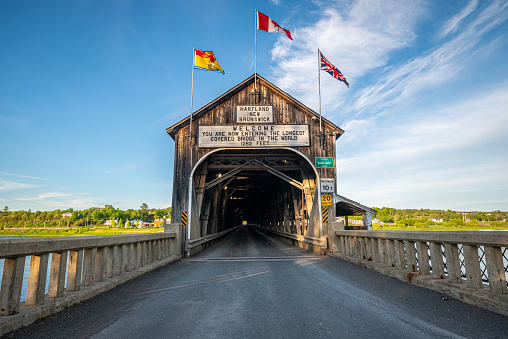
67, 215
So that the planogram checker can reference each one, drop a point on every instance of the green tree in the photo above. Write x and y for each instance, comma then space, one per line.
6, 209
134, 215
159, 214
74, 216
96, 215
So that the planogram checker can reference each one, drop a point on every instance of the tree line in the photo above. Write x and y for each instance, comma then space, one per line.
86, 217
422, 217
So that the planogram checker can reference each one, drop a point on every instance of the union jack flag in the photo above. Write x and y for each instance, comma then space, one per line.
332, 70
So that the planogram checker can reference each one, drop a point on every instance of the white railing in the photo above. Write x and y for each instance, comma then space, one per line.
473, 258
75, 262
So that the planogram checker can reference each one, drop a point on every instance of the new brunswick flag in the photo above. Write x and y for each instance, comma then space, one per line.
206, 61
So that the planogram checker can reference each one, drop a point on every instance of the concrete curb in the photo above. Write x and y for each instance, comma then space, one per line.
480, 297
28, 315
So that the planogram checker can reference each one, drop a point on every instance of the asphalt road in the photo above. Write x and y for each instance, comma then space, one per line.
248, 285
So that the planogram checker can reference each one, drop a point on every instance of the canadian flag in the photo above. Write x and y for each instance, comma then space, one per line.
268, 25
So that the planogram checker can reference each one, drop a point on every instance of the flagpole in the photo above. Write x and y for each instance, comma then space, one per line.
255, 51
192, 95
319, 86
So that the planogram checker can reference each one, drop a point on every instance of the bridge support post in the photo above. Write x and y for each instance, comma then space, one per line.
132, 257
382, 251
110, 264
333, 240
100, 262
136, 261
423, 258
149, 252
400, 255
126, 256
436, 255
74, 272
368, 249
12, 279
37, 280
495, 269
390, 252
472, 263
174, 245
89, 267
375, 249
118, 260
362, 248
411, 255
145, 259
453, 262
57, 275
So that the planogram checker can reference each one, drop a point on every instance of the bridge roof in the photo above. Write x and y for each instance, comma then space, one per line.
345, 206
172, 130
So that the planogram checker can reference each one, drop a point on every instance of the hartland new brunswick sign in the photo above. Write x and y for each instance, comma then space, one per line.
254, 132
254, 114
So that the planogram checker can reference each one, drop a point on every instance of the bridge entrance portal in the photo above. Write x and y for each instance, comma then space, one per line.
268, 188
257, 155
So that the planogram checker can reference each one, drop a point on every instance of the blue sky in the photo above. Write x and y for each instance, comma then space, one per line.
87, 89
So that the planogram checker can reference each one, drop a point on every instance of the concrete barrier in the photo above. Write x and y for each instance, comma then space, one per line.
81, 267
471, 266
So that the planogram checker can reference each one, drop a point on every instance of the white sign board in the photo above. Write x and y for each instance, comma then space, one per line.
327, 185
253, 136
254, 114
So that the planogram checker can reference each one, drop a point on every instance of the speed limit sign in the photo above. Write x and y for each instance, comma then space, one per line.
326, 200
327, 185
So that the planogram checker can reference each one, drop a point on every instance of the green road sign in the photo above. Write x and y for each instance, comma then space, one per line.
324, 162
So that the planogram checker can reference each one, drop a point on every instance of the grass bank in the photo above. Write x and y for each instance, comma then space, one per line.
482, 227
74, 231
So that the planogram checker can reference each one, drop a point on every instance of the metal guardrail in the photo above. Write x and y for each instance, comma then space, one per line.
192, 243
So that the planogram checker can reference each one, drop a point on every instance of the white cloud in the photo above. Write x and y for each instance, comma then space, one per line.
434, 67
360, 40
21, 176
44, 196
11, 185
449, 155
452, 25
445, 156
356, 40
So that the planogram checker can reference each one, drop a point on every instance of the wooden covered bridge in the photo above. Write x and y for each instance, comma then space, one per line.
257, 155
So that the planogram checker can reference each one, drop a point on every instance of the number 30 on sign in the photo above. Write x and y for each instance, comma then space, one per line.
326, 200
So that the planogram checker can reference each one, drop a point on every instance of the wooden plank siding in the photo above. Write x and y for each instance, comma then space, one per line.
222, 111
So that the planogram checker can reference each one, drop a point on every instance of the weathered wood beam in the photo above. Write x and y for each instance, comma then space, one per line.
227, 175
282, 175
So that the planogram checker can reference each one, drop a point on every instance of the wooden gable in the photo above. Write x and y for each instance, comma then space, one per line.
286, 114
221, 111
